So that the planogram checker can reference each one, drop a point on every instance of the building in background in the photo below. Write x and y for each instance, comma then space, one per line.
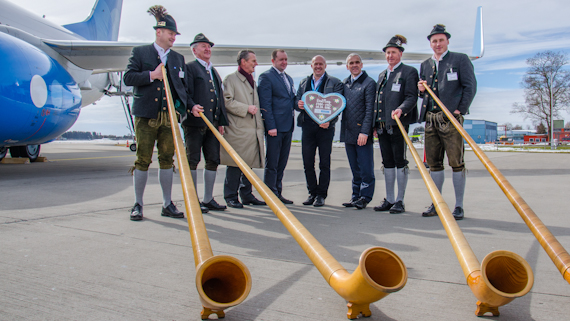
481, 131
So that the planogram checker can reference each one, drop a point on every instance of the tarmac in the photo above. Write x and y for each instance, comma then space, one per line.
68, 250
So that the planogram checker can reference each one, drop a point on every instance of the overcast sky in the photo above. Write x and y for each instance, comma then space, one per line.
513, 31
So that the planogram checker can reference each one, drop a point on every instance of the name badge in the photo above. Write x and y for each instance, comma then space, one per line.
452, 76
396, 87
181, 74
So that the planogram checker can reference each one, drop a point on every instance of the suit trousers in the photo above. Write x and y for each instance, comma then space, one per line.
316, 137
276, 157
361, 161
236, 182
393, 148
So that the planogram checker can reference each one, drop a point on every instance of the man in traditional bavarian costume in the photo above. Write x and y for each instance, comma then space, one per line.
152, 123
205, 94
452, 78
396, 96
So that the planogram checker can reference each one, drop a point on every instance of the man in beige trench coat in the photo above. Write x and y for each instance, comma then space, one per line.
245, 132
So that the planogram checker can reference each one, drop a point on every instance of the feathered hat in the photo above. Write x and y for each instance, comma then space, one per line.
163, 19
397, 41
437, 29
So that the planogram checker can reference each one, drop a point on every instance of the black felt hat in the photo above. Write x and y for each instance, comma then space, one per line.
396, 42
163, 19
437, 29
201, 38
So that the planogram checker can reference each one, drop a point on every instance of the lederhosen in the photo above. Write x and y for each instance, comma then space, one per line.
440, 134
390, 139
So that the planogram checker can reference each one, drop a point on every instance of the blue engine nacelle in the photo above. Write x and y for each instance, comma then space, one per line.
39, 100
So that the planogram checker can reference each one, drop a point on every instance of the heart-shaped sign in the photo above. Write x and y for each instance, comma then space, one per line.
323, 108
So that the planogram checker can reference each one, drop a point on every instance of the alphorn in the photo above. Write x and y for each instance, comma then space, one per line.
222, 281
549, 243
379, 273
501, 277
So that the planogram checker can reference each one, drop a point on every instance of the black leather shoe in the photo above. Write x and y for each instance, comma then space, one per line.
361, 203
310, 200
385, 206
136, 212
214, 206
458, 213
234, 203
284, 200
350, 203
253, 201
171, 211
430, 211
398, 208
319, 201
204, 209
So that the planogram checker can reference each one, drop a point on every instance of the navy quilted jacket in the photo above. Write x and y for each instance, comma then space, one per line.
358, 116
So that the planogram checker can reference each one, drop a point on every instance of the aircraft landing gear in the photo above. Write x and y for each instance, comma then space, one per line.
133, 147
30, 151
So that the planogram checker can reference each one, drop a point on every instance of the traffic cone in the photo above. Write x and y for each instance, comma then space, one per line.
425, 163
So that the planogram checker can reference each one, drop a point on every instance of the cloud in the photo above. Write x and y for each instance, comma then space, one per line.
513, 32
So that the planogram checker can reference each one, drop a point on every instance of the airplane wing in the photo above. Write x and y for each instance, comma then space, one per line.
107, 56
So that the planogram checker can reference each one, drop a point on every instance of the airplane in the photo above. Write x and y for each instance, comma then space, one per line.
50, 71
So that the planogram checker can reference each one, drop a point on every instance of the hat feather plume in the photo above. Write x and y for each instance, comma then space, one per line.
158, 11
401, 38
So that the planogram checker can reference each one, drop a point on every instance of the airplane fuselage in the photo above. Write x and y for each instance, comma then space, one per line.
41, 92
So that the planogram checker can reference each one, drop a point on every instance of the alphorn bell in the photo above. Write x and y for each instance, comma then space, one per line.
222, 281
501, 277
379, 273
549, 243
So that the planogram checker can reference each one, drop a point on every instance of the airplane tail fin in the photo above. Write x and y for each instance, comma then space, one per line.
478, 44
103, 22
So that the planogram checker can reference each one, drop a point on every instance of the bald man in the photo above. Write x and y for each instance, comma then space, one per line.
317, 136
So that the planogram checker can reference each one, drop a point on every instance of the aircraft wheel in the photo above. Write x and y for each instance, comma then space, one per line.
3, 152
15, 151
31, 151
133, 147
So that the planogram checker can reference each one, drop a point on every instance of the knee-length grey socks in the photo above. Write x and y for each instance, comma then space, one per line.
390, 181
402, 177
438, 178
459, 185
459, 180
209, 179
391, 175
165, 180
139, 182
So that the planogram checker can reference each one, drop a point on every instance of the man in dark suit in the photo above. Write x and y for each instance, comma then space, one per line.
396, 96
452, 78
152, 124
277, 102
357, 129
315, 135
205, 94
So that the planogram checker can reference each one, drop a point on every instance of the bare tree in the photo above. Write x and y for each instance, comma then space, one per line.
517, 127
540, 129
547, 88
